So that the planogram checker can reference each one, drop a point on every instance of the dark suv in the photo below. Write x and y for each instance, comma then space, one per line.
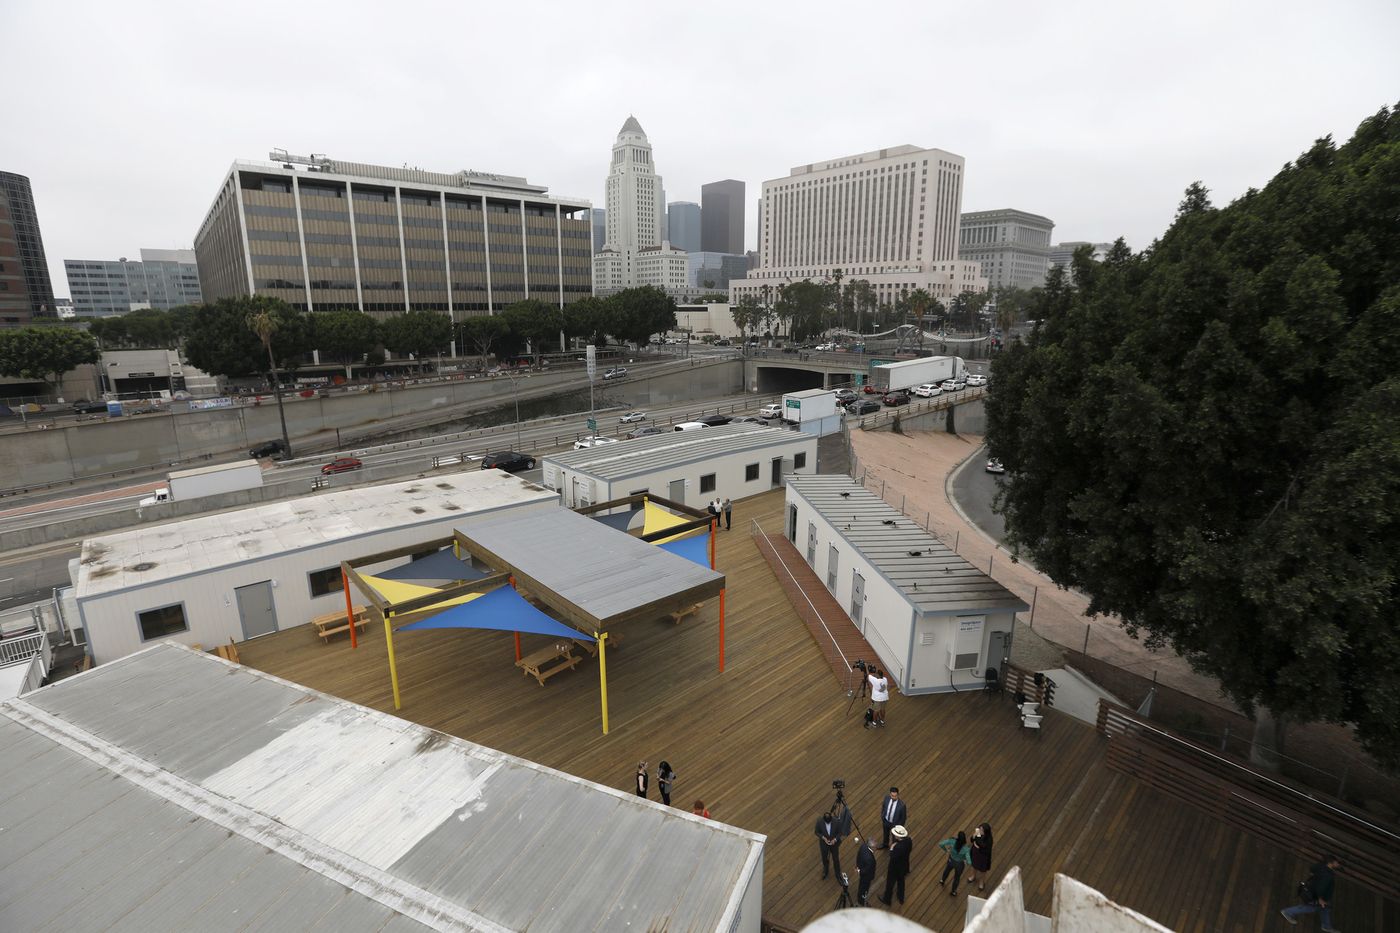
897, 397
268, 449
85, 407
865, 406
507, 460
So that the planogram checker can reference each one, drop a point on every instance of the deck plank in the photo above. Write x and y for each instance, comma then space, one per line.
762, 742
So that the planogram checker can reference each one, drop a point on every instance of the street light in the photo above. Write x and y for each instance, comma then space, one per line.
515, 393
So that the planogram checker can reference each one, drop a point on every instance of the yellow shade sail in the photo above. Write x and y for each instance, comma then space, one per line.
396, 592
658, 519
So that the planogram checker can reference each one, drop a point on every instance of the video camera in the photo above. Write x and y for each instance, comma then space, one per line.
838, 784
860, 665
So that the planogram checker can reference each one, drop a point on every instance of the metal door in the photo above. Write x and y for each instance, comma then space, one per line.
831, 560
792, 524
255, 609
997, 650
812, 544
777, 472
858, 599
677, 491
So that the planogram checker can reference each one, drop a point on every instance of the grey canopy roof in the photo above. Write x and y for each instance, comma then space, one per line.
171, 790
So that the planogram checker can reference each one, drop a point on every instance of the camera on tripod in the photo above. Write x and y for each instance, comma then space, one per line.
838, 784
860, 665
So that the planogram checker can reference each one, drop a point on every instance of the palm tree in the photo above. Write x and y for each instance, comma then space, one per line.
264, 325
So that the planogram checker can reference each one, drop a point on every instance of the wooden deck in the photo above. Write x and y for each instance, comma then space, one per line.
762, 742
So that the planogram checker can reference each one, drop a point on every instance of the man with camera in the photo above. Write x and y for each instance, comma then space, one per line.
1316, 893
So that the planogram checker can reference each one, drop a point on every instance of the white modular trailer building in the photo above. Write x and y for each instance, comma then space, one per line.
239, 574
812, 411
172, 790
690, 467
936, 622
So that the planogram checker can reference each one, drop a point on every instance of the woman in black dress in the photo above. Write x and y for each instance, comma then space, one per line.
981, 855
664, 777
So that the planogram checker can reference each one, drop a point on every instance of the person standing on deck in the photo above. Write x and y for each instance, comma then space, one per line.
1317, 893
641, 779
728, 513
664, 778
829, 841
893, 812
898, 866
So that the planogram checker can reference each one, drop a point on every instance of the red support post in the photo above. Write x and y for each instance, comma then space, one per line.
349, 608
721, 631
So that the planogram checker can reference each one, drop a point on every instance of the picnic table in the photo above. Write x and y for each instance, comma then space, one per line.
334, 622
534, 664
614, 640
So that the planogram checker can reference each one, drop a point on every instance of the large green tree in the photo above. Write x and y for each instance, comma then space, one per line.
638, 313
1205, 438
44, 353
804, 306
535, 321
482, 333
344, 336
219, 339
419, 333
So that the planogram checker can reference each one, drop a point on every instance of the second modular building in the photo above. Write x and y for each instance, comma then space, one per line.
689, 467
936, 622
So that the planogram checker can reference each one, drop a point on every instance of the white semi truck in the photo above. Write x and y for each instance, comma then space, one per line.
208, 481
909, 373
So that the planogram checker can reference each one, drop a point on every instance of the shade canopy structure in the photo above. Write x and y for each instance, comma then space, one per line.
694, 548
622, 521
395, 591
437, 568
589, 574
501, 610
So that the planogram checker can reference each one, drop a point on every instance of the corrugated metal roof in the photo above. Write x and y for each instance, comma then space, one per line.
197, 545
603, 571
929, 574
172, 790
673, 449
808, 393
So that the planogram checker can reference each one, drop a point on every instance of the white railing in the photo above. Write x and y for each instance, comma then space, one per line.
20, 649
758, 531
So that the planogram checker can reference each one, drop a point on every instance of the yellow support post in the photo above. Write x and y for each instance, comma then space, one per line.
603, 674
393, 668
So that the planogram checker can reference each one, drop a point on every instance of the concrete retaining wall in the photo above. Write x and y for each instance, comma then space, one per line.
962, 418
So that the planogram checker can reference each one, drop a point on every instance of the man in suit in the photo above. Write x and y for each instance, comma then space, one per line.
892, 813
829, 841
898, 866
865, 870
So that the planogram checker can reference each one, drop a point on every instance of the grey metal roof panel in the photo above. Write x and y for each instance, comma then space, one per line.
931, 575
642, 455
604, 572
330, 817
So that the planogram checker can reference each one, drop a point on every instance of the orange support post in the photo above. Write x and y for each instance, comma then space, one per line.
714, 527
721, 631
349, 609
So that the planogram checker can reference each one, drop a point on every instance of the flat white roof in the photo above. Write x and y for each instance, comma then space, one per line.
198, 545
809, 393
673, 449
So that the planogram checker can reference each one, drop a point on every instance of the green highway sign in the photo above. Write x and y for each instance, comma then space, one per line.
592, 424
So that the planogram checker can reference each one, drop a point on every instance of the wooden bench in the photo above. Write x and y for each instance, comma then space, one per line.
533, 664
228, 652
614, 640
333, 623
682, 613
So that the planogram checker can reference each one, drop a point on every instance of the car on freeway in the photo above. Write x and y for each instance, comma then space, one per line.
952, 385
690, 426
341, 465
632, 417
507, 460
871, 389
771, 410
746, 419
927, 390
617, 372
645, 431
267, 449
896, 398
845, 396
976, 380
715, 421
994, 466
865, 406
86, 407
593, 440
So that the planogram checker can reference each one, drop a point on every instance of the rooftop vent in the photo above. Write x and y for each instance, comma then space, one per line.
916, 553
845, 495
888, 521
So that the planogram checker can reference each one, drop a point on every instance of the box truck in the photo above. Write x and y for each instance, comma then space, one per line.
812, 411
909, 373
208, 481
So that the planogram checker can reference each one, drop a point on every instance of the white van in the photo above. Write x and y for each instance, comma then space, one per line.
691, 426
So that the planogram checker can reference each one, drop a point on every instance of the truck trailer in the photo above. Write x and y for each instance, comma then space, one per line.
909, 373
208, 481
812, 411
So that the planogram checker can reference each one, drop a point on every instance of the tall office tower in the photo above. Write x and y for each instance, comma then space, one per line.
1013, 247
636, 206
683, 225
26, 293
722, 217
889, 217
320, 233
164, 278
1061, 254
598, 218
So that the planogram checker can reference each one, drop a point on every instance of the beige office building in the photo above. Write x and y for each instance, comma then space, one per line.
320, 234
889, 216
1013, 247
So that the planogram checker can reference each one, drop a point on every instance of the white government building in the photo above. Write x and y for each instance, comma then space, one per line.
1012, 246
635, 250
889, 217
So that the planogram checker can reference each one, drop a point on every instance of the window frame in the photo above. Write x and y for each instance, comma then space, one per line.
311, 582
799, 460
712, 478
184, 617
751, 472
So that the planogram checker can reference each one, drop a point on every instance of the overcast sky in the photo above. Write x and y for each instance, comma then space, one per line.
126, 116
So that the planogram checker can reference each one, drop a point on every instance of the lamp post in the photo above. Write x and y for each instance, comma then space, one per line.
515, 394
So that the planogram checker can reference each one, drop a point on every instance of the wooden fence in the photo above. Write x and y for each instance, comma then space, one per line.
1272, 808
1017, 680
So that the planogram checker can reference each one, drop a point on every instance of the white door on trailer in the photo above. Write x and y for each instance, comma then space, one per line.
255, 609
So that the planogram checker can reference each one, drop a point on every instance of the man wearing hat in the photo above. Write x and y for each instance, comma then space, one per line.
898, 866
1317, 893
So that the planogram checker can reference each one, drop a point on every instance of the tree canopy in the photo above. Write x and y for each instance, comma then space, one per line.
221, 340
636, 314
344, 336
1205, 437
44, 353
418, 333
